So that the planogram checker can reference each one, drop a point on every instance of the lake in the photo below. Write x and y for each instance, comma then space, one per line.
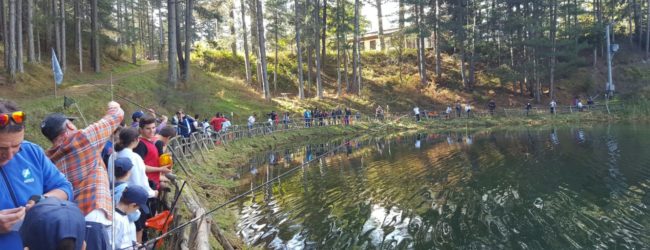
559, 188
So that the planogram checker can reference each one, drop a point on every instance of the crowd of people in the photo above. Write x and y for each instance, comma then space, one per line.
94, 187
466, 110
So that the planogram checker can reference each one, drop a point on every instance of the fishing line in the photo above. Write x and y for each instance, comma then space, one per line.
231, 200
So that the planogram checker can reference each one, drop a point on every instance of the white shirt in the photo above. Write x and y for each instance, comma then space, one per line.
416, 110
448, 110
468, 107
138, 172
251, 120
553, 104
124, 232
225, 125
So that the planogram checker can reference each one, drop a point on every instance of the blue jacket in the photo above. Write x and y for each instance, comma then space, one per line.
186, 126
29, 173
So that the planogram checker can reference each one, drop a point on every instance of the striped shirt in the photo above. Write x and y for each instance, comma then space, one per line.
78, 156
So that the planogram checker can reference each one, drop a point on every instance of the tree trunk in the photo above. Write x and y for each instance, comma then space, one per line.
189, 30
95, 37
380, 26
319, 83
38, 46
298, 22
553, 47
423, 58
436, 45
172, 74
64, 54
5, 35
262, 45
12, 39
310, 63
275, 71
647, 34
357, 56
402, 41
132, 34
77, 18
179, 46
324, 30
57, 28
19, 36
233, 45
472, 69
338, 48
31, 55
161, 38
255, 38
355, 48
247, 62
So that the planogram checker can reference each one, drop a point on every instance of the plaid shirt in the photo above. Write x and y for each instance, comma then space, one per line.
78, 156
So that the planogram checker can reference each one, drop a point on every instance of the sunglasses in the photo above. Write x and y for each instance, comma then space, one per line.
17, 117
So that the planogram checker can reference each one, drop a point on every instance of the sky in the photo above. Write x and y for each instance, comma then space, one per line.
390, 10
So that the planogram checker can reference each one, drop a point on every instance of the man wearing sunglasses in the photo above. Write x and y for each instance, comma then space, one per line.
77, 153
26, 175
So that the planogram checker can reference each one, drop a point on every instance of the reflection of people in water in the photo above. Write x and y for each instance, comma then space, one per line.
580, 136
469, 140
417, 141
287, 156
308, 155
554, 139
348, 147
272, 159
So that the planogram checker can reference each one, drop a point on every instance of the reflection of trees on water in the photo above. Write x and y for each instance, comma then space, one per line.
516, 189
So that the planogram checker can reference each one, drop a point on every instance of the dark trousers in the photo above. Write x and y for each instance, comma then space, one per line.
96, 236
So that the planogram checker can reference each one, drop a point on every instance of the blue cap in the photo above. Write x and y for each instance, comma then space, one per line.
122, 165
52, 125
137, 114
136, 194
50, 221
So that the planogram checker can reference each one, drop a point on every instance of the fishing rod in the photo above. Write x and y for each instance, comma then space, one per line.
244, 194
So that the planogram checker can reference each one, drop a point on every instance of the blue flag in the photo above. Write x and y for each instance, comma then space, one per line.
56, 69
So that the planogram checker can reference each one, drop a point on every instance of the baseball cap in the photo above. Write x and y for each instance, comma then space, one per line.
50, 221
122, 165
52, 125
136, 194
137, 114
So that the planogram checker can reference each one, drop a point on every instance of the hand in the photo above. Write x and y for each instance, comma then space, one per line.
9, 217
164, 119
155, 193
153, 112
165, 170
113, 104
168, 166
30, 204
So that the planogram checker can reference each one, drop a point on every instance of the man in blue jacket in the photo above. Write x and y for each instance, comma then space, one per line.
26, 175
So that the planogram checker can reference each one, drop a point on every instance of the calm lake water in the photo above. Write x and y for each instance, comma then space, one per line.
563, 188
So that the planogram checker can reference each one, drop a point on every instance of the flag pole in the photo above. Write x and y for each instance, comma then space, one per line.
55, 89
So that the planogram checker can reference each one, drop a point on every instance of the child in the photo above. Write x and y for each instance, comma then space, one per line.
123, 167
53, 224
133, 198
